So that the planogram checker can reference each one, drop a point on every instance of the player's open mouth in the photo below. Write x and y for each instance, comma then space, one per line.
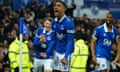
56, 11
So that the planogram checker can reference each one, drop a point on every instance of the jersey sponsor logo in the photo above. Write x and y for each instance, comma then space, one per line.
60, 36
70, 31
107, 42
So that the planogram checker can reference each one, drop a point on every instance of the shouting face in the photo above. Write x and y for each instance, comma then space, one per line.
59, 9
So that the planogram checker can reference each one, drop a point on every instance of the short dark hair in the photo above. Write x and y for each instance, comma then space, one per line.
61, 3
110, 13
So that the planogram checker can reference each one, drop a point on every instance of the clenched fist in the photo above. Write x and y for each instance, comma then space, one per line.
42, 38
43, 55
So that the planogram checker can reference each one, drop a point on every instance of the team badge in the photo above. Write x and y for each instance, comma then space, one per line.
104, 34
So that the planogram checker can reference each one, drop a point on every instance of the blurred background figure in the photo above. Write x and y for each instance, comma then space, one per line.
14, 48
80, 57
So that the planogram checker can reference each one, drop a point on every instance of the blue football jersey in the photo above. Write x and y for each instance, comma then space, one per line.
105, 40
64, 30
43, 47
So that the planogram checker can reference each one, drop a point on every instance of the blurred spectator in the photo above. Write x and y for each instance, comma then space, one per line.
7, 24
50, 8
5, 44
31, 50
5, 50
70, 9
85, 18
87, 35
12, 35
80, 57
48, 15
41, 11
78, 32
32, 25
1, 58
39, 24
4, 64
118, 26
14, 54
34, 6
16, 27
2, 12
1, 33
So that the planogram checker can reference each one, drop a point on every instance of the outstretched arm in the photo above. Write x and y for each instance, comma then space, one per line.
118, 50
92, 46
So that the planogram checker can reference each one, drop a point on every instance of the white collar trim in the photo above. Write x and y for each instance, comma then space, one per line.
106, 29
45, 31
60, 19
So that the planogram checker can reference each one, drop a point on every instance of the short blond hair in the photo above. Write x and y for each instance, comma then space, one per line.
47, 18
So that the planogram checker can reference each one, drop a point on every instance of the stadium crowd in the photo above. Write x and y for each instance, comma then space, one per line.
9, 20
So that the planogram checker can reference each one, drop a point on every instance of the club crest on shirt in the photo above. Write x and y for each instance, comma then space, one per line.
104, 34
